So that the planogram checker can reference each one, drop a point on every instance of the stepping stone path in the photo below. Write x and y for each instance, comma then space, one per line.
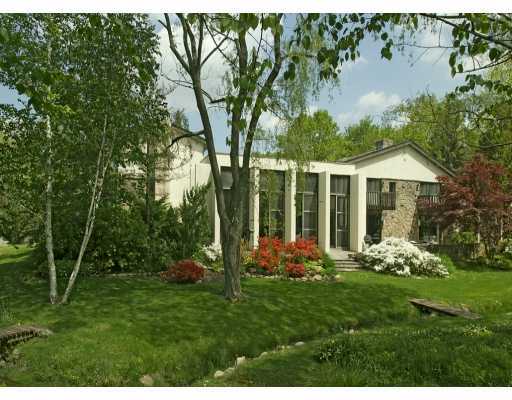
242, 359
448, 310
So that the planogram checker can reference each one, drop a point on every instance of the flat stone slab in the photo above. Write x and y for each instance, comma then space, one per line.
448, 310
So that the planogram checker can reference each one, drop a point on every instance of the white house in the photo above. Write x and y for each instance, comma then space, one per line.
339, 203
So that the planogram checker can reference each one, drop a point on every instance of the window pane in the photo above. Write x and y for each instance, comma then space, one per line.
227, 178
373, 185
309, 233
340, 184
311, 183
429, 189
310, 220
310, 202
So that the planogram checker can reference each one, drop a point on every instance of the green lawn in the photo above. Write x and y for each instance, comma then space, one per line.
116, 330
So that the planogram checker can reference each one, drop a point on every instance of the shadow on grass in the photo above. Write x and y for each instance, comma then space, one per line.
122, 328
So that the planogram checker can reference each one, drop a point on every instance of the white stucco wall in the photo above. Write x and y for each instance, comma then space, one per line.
186, 170
402, 164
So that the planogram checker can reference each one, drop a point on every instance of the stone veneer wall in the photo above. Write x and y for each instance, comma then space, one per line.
403, 221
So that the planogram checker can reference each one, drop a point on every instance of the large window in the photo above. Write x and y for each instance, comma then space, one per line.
427, 229
272, 203
429, 189
339, 212
307, 207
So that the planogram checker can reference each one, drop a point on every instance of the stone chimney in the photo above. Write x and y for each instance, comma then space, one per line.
383, 143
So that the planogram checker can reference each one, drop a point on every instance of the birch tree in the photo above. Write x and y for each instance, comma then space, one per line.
30, 65
119, 101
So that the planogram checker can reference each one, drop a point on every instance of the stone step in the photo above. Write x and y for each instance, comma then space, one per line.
346, 262
347, 265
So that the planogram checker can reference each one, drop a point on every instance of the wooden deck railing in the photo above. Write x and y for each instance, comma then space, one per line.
381, 200
428, 201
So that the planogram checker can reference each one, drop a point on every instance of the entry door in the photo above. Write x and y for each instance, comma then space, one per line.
340, 216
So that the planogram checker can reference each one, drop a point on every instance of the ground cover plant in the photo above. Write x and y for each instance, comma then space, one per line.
117, 330
430, 352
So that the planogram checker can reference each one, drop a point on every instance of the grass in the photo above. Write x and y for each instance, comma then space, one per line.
116, 330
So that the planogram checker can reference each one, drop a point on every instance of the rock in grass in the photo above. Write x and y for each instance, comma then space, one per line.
218, 374
299, 344
317, 277
263, 354
229, 370
239, 361
147, 380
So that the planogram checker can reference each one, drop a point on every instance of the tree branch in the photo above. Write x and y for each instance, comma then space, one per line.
172, 43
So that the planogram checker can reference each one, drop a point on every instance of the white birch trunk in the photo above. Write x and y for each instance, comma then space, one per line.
48, 230
101, 169
52, 273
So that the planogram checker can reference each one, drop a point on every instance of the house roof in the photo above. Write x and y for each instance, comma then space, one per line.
409, 143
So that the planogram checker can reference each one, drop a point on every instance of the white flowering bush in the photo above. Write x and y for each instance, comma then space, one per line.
212, 252
399, 257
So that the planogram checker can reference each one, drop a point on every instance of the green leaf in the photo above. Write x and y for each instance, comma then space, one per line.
385, 52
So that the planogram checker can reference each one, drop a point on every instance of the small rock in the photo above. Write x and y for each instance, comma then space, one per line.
229, 370
351, 331
339, 278
218, 374
263, 354
304, 279
299, 344
146, 380
317, 277
239, 361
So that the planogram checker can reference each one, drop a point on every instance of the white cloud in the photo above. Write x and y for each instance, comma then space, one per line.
372, 103
377, 101
348, 66
269, 121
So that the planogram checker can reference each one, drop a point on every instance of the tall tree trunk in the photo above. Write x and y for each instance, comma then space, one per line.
52, 273
101, 169
150, 198
231, 258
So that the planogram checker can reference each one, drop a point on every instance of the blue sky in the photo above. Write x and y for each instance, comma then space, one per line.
367, 87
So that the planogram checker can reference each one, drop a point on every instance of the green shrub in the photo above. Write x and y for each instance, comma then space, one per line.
193, 230
503, 262
63, 269
466, 237
447, 261
122, 241
328, 262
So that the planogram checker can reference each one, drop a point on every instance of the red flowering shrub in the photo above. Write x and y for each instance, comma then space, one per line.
184, 271
268, 254
302, 250
295, 270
